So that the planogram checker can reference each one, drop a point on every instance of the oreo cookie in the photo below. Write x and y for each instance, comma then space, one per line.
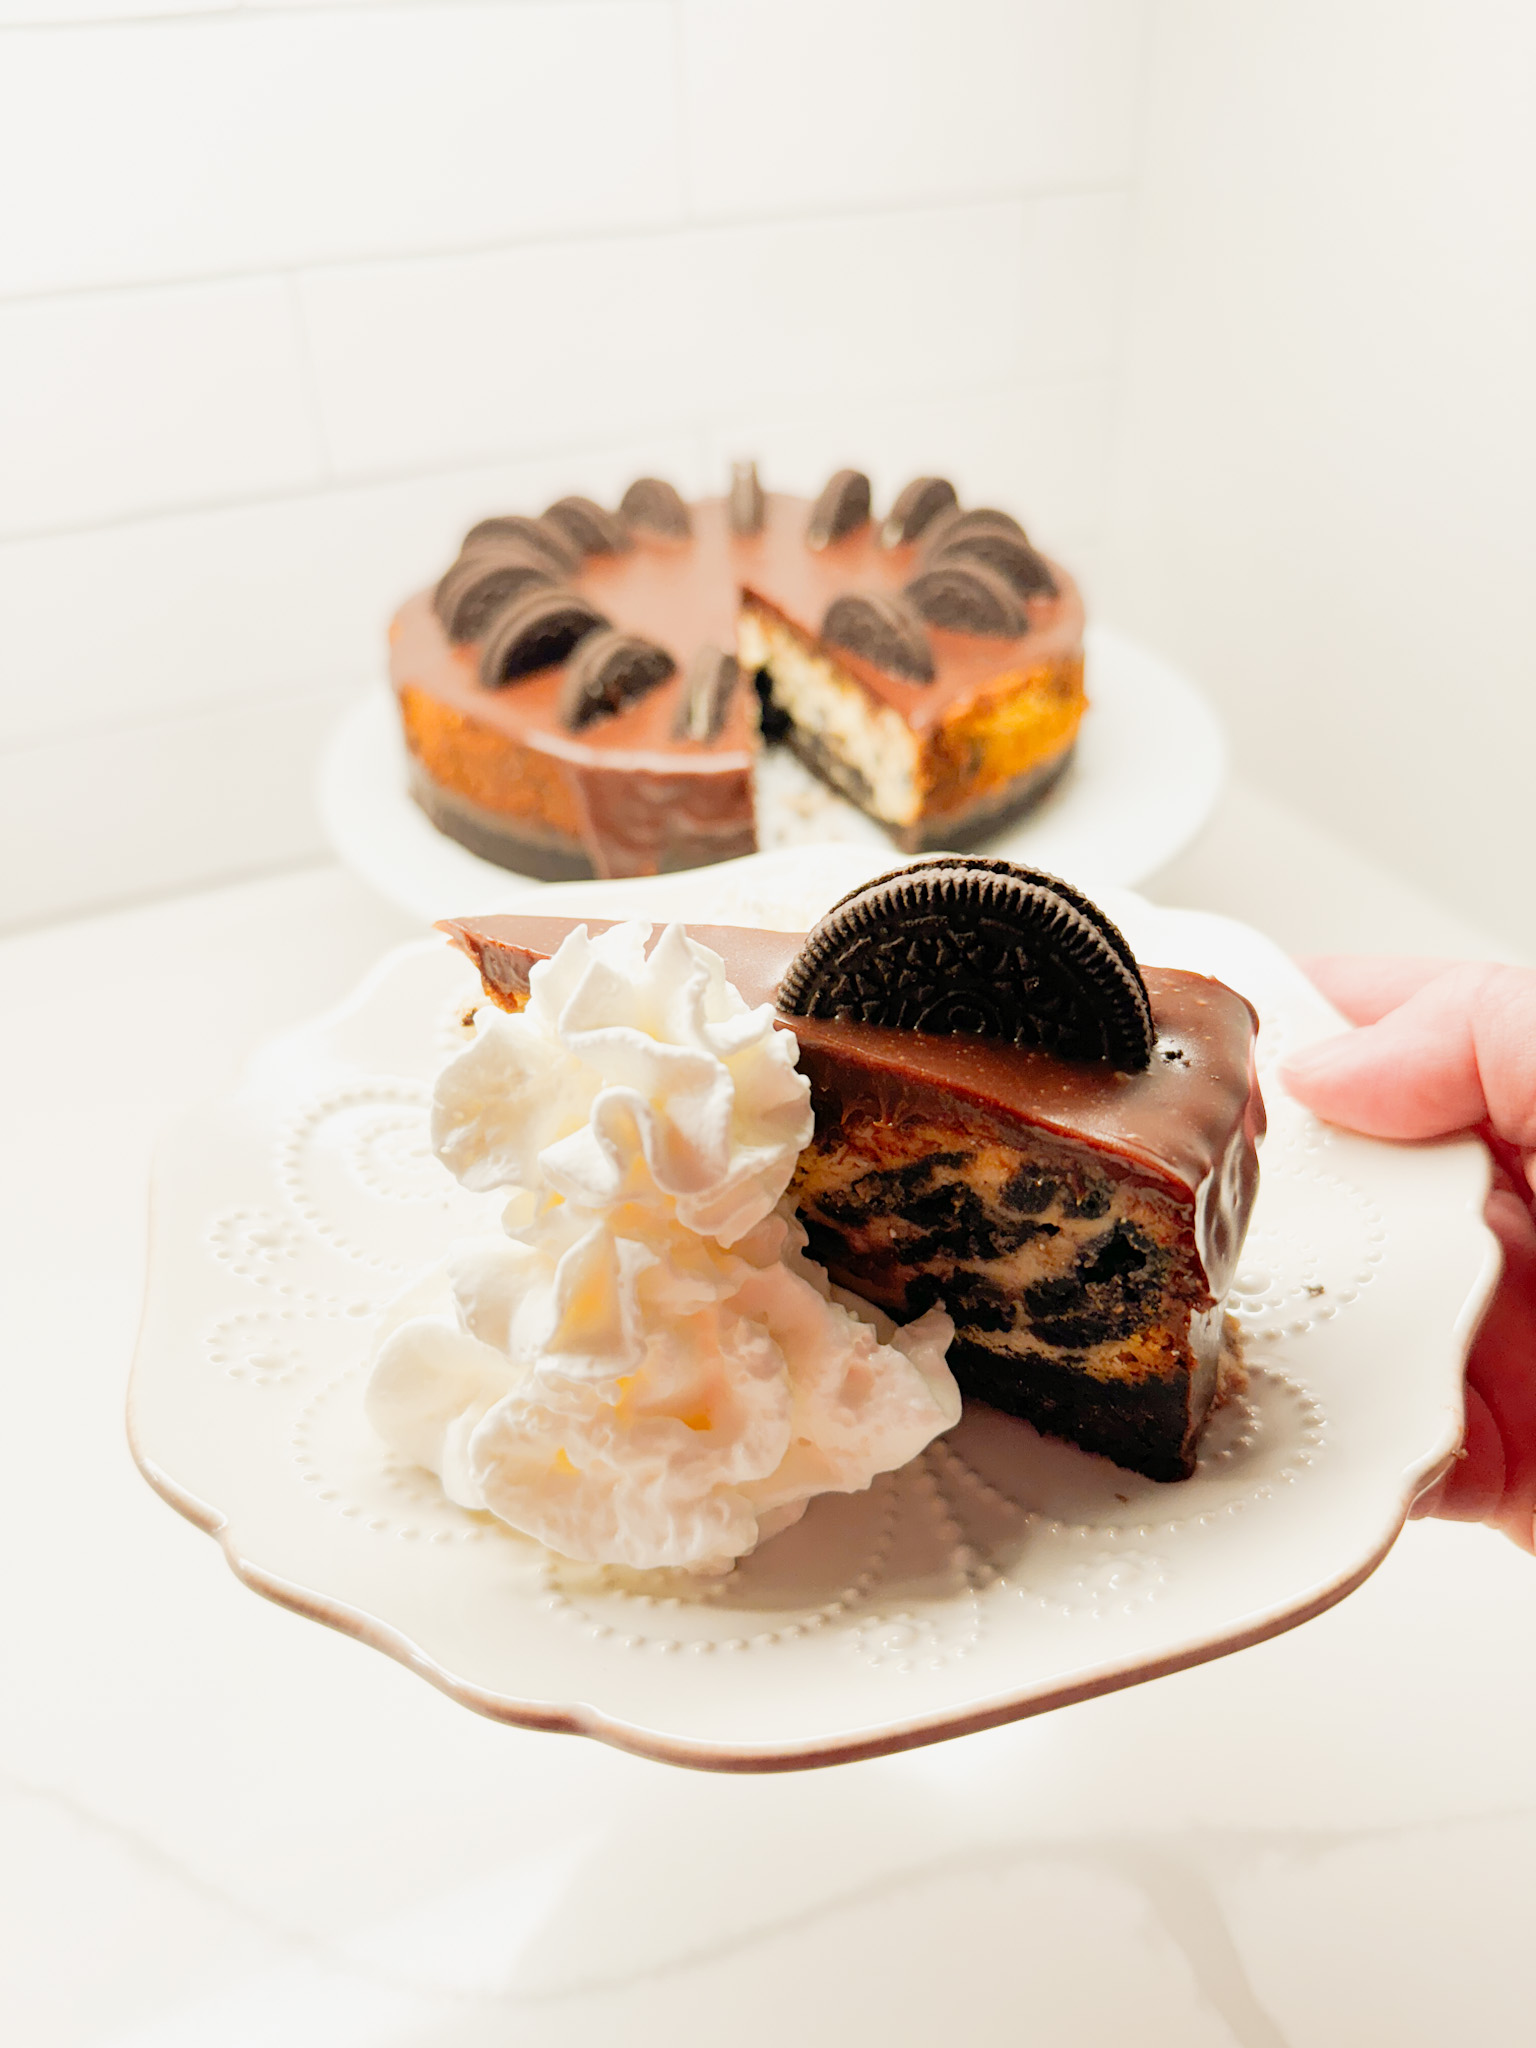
746, 506
535, 631
967, 598
916, 508
1005, 554
956, 525
708, 686
655, 507
881, 628
587, 527
607, 671
842, 508
990, 864
977, 948
483, 580
532, 533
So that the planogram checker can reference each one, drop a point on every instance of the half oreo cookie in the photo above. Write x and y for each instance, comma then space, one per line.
537, 534
483, 579
983, 949
708, 686
956, 525
882, 628
967, 598
1006, 554
746, 504
587, 527
842, 508
916, 508
535, 631
653, 505
607, 671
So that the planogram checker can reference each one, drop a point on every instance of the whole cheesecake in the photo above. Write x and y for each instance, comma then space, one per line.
584, 693
1014, 1119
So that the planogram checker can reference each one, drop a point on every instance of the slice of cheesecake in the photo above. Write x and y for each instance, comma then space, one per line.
1080, 1222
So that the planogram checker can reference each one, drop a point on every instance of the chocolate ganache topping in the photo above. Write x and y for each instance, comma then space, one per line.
641, 758
1189, 1121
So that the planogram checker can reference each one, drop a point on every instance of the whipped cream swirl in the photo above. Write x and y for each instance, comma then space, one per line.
640, 1366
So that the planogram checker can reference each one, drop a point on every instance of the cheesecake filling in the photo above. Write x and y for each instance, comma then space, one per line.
868, 750
636, 1363
1077, 1298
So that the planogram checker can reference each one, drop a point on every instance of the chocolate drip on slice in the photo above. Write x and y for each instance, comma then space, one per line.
746, 505
967, 598
1005, 554
977, 949
842, 508
532, 533
587, 527
482, 580
882, 628
607, 671
915, 509
655, 507
708, 686
535, 631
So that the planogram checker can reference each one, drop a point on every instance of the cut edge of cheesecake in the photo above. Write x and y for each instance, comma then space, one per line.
936, 765
1081, 1225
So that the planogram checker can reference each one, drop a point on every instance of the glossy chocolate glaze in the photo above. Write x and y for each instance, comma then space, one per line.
682, 595
631, 772
1189, 1124
635, 784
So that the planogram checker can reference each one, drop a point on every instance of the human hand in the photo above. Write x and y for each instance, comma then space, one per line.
1451, 1046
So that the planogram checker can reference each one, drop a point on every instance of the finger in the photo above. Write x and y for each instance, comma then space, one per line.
1473, 1489
1364, 986
1463, 1048
1501, 1368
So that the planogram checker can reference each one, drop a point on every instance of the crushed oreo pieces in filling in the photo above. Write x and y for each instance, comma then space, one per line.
925, 1220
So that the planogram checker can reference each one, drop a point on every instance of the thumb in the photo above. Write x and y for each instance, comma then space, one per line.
1459, 1052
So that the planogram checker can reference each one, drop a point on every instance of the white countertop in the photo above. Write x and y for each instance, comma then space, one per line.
222, 1825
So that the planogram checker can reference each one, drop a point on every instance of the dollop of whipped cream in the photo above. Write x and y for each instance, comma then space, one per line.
641, 1366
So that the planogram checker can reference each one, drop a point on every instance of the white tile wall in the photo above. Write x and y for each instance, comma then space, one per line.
235, 143
132, 402
795, 105
1325, 509
291, 293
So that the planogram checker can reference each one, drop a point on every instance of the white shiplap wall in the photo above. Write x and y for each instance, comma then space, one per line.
290, 293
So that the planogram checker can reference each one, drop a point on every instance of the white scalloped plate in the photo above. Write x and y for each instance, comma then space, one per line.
1149, 766
997, 1576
